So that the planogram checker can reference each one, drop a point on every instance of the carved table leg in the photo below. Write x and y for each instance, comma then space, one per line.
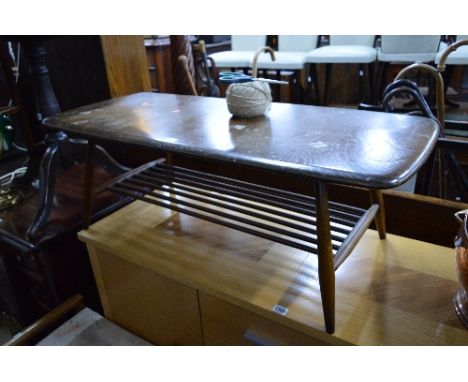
36, 53
44, 162
47, 171
377, 197
36, 153
326, 269
88, 183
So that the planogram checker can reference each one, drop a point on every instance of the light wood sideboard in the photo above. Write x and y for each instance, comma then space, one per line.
178, 280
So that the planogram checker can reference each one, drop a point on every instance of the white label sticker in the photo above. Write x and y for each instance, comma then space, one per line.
280, 310
238, 127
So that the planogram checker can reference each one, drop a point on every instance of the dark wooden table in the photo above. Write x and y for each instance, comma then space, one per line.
323, 145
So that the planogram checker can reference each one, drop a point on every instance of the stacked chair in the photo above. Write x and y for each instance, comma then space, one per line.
242, 53
343, 50
404, 49
299, 55
458, 57
442, 175
290, 57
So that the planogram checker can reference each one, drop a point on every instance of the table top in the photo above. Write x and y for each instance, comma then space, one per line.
370, 149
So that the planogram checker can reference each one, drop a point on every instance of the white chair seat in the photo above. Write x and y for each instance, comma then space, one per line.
341, 54
283, 61
458, 57
233, 58
405, 57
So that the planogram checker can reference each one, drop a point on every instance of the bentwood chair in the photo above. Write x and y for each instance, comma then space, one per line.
243, 48
352, 49
458, 57
290, 57
404, 49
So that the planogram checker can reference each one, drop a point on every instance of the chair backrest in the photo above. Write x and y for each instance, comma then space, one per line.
367, 40
183, 65
248, 42
297, 43
409, 44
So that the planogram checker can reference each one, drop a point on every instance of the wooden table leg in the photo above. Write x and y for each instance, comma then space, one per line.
170, 162
377, 197
88, 183
47, 175
326, 267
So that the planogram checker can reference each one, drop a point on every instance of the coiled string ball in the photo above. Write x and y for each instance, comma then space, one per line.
248, 99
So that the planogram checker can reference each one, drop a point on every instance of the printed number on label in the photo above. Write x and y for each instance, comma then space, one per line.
280, 310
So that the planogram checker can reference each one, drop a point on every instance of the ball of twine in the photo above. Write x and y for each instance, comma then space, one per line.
248, 99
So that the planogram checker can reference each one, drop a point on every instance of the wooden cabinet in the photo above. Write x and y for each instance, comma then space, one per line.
227, 324
158, 54
174, 279
155, 307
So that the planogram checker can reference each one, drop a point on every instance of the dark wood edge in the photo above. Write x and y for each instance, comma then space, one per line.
75, 303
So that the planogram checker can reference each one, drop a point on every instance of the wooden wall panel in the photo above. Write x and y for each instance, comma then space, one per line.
126, 64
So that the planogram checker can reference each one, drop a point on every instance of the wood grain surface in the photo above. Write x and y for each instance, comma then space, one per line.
151, 306
396, 291
126, 64
369, 149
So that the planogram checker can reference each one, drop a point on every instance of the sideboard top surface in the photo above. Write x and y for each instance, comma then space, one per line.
396, 291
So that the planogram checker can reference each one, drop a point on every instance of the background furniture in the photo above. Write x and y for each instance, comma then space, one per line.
85, 328
158, 53
406, 49
458, 57
243, 48
48, 267
16, 104
343, 50
183, 65
290, 56
46, 270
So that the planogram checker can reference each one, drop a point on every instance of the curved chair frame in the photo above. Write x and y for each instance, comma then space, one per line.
444, 152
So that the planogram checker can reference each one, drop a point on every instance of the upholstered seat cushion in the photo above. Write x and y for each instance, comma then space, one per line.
458, 57
233, 58
405, 57
341, 54
283, 61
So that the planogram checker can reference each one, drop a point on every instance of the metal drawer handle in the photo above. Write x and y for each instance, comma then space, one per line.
258, 339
